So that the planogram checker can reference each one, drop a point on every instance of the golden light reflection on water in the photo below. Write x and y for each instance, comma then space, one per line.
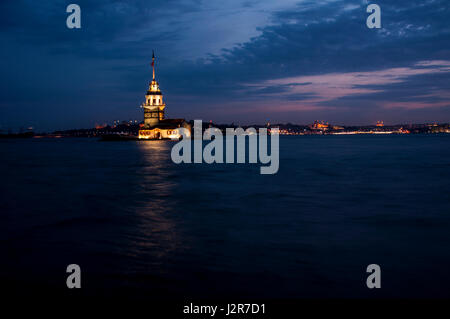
157, 227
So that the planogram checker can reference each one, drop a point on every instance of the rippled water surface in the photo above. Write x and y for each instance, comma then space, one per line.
139, 225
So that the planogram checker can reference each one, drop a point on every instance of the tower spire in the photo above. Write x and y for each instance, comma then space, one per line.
153, 64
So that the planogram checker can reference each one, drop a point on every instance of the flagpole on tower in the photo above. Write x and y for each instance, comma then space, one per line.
153, 64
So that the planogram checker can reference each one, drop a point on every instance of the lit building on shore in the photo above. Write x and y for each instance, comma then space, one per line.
156, 126
320, 126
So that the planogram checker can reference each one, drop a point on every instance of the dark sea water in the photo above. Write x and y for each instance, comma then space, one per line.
140, 226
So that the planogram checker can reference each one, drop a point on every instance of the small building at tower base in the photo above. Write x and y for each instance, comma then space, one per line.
166, 129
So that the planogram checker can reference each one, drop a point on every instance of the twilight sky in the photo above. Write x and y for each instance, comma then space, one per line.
241, 61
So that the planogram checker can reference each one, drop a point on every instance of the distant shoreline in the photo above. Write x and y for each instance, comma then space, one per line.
317, 128
131, 138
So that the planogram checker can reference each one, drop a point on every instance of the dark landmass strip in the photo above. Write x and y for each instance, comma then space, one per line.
317, 128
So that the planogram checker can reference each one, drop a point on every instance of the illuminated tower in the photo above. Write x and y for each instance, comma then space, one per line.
153, 105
